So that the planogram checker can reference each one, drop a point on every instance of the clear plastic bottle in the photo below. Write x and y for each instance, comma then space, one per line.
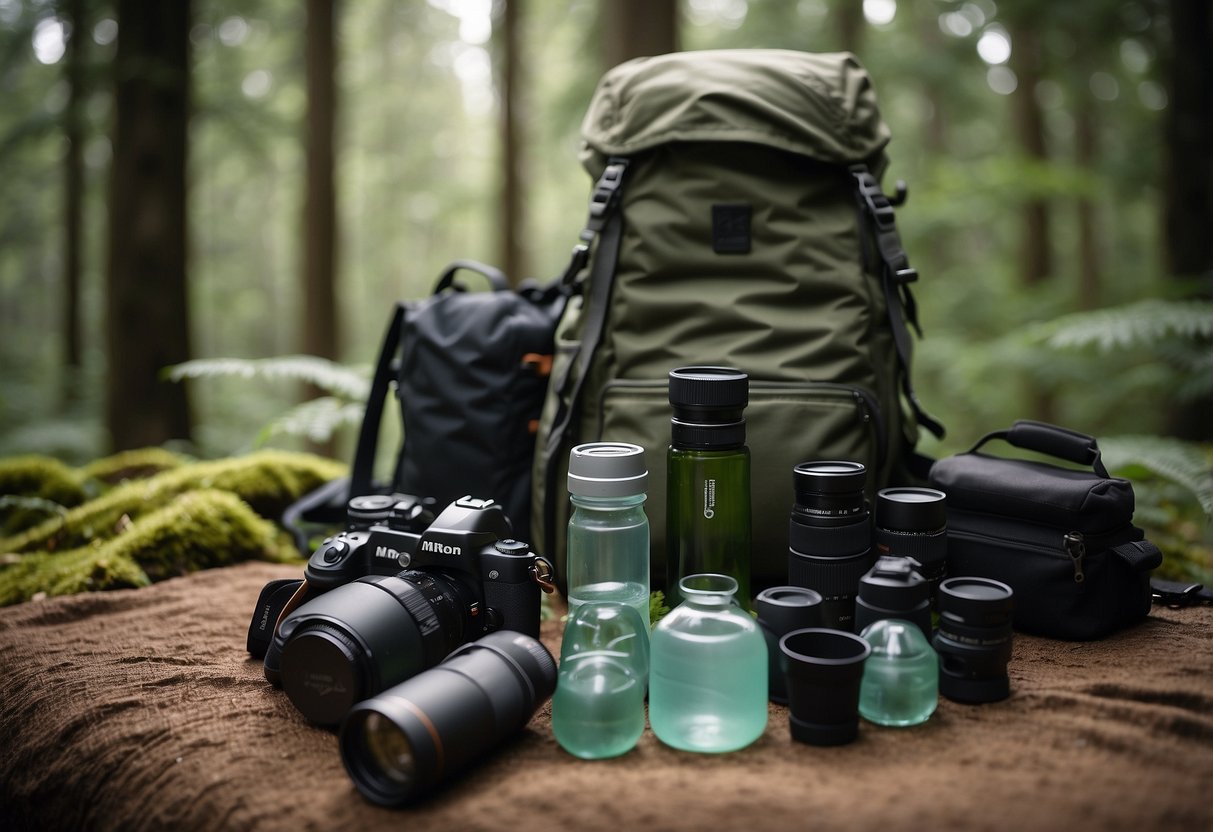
708, 478
598, 707
608, 544
708, 676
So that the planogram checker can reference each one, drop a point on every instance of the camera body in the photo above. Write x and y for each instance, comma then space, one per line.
380, 529
372, 626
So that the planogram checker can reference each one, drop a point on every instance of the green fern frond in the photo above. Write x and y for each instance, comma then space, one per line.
316, 420
1146, 323
1184, 463
347, 382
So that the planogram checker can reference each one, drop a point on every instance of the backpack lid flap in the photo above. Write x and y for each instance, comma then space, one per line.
817, 105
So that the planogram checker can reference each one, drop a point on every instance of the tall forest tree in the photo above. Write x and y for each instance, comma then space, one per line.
320, 333
513, 196
73, 195
638, 28
147, 318
1188, 195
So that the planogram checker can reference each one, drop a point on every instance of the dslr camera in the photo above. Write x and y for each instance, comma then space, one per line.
386, 601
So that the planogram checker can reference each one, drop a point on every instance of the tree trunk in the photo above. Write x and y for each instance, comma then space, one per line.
1036, 259
638, 28
73, 199
1188, 206
849, 17
147, 325
513, 223
320, 335
1090, 280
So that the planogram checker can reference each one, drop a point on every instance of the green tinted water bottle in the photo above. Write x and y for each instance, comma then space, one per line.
708, 672
708, 478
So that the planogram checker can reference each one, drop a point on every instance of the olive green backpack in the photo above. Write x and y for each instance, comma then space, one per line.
737, 219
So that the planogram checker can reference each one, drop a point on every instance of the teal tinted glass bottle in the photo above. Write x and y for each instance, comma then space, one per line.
901, 677
708, 672
608, 543
598, 707
708, 478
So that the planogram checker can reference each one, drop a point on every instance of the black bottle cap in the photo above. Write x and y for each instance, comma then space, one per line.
708, 403
782, 609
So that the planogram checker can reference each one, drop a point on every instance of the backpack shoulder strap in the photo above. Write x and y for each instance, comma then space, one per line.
896, 277
605, 223
362, 472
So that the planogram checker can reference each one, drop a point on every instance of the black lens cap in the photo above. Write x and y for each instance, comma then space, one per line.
911, 509
894, 583
321, 673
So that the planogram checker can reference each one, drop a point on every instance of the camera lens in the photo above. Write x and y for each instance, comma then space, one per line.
893, 588
400, 744
974, 639
360, 638
829, 536
913, 523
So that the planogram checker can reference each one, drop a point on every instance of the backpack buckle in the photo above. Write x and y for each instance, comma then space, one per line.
606, 193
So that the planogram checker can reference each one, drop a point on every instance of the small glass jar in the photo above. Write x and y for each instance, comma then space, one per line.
901, 677
598, 707
708, 676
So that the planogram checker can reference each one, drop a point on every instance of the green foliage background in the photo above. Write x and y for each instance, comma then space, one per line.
418, 176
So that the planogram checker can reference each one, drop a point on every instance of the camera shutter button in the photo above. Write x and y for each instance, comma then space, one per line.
336, 551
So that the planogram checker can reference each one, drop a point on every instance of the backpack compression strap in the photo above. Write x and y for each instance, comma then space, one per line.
896, 277
605, 223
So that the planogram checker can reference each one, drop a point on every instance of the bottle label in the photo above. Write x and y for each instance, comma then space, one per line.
709, 499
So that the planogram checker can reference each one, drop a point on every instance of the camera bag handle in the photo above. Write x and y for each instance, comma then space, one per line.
1063, 443
496, 278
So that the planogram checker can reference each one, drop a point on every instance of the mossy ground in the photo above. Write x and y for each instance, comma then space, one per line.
163, 517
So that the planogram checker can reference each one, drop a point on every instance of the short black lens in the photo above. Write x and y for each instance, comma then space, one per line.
974, 639
360, 638
913, 523
830, 536
893, 588
402, 743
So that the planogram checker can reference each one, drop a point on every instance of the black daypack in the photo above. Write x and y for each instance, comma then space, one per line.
469, 370
736, 219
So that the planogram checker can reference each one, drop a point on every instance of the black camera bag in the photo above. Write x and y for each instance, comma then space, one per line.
469, 370
1063, 539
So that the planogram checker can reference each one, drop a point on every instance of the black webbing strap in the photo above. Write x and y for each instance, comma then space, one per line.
1178, 594
896, 277
605, 223
363, 471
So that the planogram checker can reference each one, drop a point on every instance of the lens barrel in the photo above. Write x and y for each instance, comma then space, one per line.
402, 743
830, 536
356, 640
974, 639
913, 523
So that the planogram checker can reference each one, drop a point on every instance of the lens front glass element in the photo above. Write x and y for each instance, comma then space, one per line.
389, 752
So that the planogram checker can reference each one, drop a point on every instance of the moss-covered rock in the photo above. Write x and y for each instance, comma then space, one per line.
131, 465
268, 481
196, 530
33, 487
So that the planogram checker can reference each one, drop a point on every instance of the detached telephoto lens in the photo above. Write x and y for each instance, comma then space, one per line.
913, 523
398, 746
974, 639
829, 536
